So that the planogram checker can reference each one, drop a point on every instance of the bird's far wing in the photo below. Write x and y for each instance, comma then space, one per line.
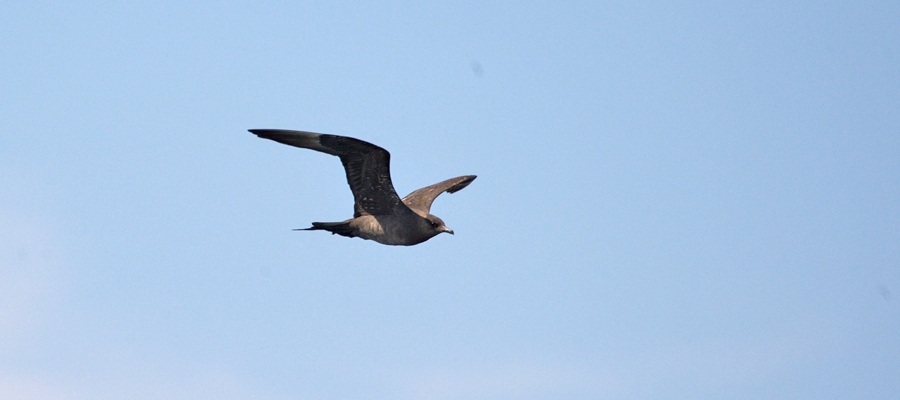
367, 167
420, 200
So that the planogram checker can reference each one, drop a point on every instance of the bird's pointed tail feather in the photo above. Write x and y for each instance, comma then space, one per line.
340, 228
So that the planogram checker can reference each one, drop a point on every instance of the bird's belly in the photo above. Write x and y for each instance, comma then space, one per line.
388, 230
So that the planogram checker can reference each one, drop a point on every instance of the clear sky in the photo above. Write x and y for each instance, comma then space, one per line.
694, 201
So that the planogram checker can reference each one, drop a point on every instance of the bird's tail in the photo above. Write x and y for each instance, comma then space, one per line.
340, 228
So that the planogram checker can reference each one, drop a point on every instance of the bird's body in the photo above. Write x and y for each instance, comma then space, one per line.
379, 213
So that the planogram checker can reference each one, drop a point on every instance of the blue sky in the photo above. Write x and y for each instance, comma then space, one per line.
674, 201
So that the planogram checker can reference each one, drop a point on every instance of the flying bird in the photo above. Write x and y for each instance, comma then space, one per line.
378, 212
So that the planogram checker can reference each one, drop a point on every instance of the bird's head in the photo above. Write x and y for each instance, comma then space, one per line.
438, 225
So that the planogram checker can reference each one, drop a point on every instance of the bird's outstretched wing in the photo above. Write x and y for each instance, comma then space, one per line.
367, 166
420, 200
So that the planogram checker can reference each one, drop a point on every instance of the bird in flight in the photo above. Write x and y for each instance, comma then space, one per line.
378, 212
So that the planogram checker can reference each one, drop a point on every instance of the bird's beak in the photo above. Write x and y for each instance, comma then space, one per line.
448, 230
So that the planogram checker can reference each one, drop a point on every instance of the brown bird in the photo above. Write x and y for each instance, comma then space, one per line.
378, 212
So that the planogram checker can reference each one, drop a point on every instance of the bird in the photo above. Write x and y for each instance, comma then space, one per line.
379, 214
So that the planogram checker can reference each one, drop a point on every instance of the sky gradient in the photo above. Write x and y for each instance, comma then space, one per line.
694, 201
